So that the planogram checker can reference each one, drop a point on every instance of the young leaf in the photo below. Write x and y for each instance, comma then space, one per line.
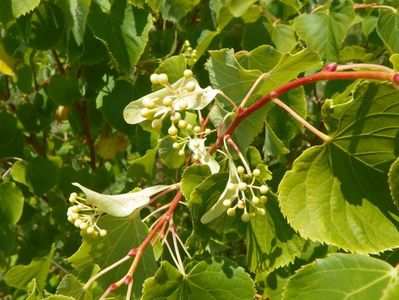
208, 279
341, 276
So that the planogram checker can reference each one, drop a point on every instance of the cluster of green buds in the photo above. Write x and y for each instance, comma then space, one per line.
195, 141
87, 209
173, 100
245, 190
247, 194
188, 52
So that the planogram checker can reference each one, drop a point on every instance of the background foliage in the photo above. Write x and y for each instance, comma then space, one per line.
68, 68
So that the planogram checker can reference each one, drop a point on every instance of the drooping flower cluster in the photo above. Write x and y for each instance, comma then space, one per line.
242, 190
87, 210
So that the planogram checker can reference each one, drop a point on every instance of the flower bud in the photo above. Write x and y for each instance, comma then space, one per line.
188, 73
256, 172
245, 217
240, 170
227, 202
242, 186
156, 124
231, 212
163, 79
264, 189
190, 86
167, 101
154, 78
172, 131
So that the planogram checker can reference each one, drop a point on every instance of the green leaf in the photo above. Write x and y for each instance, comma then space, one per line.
20, 275
271, 242
283, 36
79, 10
239, 7
59, 297
173, 66
263, 58
226, 74
387, 28
12, 139
341, 276
72, 287
114, 104
24, 79
64, 90
172, 10
143, 166
107, 250
170, 156
22, 7
395, 61
393, 178
283, 125
46, 26
192, 177
209, 279
392, 291
338, 193
123, 30
42, 174
324, 31
11, 203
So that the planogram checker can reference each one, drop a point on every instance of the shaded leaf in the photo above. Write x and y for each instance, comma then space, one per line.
324, 31
20, 275
123, 30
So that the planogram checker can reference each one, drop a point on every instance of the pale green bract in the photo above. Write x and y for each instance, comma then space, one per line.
204, 157
121, 205
195, 99
218, 208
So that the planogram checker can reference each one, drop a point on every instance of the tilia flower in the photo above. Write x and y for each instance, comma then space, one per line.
184, 94
86, 211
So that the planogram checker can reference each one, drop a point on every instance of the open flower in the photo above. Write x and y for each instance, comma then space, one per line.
184, 94
86, 211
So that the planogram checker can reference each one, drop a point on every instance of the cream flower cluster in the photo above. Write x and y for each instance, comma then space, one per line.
87, 210
242, 190
173, 100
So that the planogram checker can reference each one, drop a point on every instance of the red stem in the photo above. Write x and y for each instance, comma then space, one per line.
323, 75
